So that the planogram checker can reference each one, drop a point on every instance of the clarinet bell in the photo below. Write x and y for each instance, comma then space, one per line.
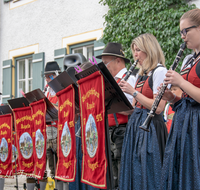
78, 133
144, 127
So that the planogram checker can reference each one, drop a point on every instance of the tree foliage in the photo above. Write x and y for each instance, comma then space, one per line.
126, 19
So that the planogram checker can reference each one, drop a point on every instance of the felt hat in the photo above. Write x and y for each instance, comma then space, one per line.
114, 49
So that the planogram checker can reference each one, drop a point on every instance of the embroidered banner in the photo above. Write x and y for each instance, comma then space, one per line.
25, 147
6, 124
39, 137
92, 108
66, 165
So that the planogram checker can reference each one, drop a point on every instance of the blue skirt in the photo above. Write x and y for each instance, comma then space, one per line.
77, 185
181, 165
142, 153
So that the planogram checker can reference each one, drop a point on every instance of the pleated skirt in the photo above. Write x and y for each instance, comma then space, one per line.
181, 165
142, 153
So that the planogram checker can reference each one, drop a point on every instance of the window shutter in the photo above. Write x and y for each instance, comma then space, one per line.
98, 49
38, 69
59, 55
6, 1
7, 80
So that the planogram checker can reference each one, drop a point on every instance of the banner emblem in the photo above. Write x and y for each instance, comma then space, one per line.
39, 144
14, 152
4, 150
66, 140
91, 136
26, 145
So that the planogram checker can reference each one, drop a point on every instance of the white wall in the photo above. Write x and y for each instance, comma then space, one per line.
45, 23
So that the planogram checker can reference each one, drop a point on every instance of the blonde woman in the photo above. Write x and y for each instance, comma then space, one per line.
142, 151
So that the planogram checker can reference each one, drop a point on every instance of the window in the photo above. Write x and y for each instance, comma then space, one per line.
24, 76
87, 51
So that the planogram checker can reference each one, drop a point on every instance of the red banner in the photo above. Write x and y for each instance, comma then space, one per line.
39, 137
25, 147
6, 124
92, 108
66, 165
15, 160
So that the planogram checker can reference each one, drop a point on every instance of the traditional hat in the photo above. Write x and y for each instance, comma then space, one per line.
52, 67
114, 49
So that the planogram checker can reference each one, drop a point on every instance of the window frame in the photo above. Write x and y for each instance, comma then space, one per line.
83, 45
26, 57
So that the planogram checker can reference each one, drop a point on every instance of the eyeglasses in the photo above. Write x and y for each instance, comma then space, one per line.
109, 62
49, 76
185, 30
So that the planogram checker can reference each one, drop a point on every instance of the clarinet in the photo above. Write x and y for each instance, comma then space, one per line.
128, 74
151, 114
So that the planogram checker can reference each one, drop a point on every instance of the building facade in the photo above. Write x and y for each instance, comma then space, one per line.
33, 32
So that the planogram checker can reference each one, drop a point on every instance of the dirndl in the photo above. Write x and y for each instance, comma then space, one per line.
181, 165
141, 160
77, 185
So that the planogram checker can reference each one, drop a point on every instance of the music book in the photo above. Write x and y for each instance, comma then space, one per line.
113, 93
61, 82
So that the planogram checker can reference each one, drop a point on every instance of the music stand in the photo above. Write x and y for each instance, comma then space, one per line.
62, 81
115, 101
51, 112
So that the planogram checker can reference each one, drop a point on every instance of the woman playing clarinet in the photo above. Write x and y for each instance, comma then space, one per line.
142, 151
181, 165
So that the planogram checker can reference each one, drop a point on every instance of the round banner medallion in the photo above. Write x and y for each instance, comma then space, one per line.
66, 140
26, 145
39, 143
14, 152
91, 136
3, 150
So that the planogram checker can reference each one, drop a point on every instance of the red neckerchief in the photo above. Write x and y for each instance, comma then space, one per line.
118, 80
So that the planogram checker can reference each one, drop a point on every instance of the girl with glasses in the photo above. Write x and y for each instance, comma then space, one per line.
181, 165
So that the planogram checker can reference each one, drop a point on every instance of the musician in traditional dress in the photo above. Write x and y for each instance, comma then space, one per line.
142, 151
181, 165
114, 59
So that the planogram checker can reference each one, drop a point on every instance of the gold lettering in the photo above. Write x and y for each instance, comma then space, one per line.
67, 102
3, 167
39, 112
38, 122
4, 125
60, 127
39, 165
67, 164
66, 113
88, 93
25, 126
27, 117
90, 106
71, 123
99, 117
3, 132
92, 166
28, 165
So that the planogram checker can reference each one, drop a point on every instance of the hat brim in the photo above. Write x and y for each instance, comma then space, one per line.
112, 54
49, 72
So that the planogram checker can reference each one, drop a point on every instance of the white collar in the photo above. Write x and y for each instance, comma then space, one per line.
120, 73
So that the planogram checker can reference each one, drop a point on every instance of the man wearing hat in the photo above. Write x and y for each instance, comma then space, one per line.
52, 70
113, 58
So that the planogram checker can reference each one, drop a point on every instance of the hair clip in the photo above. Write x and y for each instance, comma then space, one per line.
23, 94
93, 63
78, 69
